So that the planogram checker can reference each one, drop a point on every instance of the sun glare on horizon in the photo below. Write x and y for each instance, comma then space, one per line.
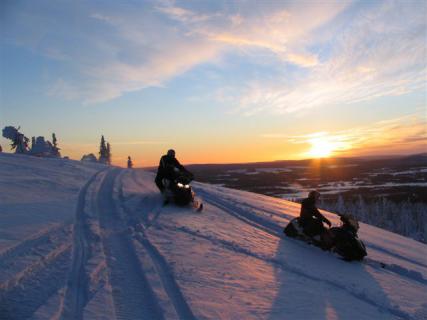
321, 148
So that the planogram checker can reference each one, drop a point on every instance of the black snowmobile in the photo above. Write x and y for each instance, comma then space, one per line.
179, 191
342, 240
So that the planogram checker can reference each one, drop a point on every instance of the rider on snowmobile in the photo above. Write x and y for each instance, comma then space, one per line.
168, 168
310, 219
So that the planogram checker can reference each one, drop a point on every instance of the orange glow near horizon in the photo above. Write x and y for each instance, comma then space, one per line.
314, 148
405, 135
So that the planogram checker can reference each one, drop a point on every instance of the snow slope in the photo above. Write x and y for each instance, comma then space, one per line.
82, 241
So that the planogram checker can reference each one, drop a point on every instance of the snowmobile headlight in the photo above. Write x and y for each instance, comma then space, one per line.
180, 185
187, 186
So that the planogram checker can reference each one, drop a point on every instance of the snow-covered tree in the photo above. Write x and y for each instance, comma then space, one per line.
19, 140
39, 146
130, 163
43, 148
89, 158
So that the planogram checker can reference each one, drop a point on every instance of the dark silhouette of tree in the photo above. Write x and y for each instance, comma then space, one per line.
108, 153
130, 163
55, 149
19, 140
102, 151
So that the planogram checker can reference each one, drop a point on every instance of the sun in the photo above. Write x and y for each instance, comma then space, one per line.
320, 148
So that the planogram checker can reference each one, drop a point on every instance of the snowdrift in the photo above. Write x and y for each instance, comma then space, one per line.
86, 241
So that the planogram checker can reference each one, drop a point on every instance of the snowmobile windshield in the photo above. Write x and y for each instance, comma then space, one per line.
183, 179
350, 222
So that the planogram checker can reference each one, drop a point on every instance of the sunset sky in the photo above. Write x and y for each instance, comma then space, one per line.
218, 81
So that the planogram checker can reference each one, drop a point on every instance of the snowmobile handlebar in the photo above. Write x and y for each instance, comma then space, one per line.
185, 177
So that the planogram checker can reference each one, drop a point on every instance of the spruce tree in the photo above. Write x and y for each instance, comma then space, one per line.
54, 141
108, 153
55, 149
102, 151
33, 143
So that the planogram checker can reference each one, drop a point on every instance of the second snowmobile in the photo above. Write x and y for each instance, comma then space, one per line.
342, 240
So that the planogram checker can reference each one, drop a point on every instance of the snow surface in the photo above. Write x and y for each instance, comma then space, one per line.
86, 241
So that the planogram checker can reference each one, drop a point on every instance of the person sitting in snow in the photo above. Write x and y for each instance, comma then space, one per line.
169, 168
310, 219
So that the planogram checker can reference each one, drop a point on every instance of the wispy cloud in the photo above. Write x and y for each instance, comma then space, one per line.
118, 49
181, 14
380, 51
340, 52
283, 30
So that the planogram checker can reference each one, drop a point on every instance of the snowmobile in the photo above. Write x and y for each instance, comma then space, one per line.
342, 240
179, 191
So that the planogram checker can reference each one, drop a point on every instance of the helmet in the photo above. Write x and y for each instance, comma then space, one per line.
171, 153
314, 194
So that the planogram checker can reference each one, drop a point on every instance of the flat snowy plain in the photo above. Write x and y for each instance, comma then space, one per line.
86, 241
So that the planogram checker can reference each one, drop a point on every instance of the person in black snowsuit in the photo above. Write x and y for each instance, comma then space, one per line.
167, 169
310, 219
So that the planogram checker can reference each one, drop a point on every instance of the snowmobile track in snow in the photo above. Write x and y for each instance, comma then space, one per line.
35, 285
239, 213
38, 245
162, 267
394, 254
77, 293
132, 294
168, 281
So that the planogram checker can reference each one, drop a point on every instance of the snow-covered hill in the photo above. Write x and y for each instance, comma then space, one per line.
85, 241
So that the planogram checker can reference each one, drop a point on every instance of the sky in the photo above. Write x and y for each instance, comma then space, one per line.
218, 81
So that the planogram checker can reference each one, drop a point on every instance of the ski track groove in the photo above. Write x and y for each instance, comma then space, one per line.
132, 294
36, 285
142, 203
282, 215
250, 219
396, 255
258, 222
168, 281
77, 293
162, 267
27, 246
